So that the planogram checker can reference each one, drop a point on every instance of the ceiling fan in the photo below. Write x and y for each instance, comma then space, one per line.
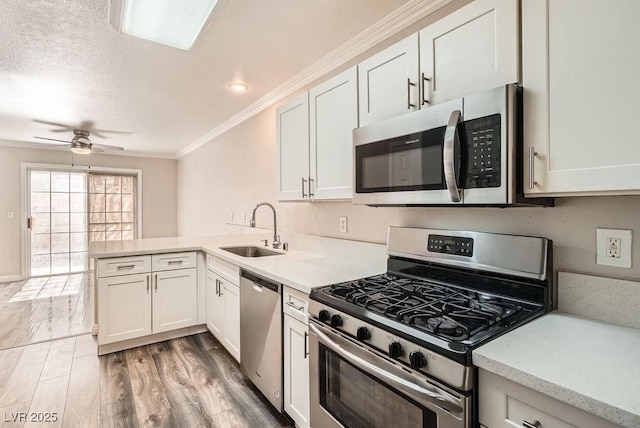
80, 143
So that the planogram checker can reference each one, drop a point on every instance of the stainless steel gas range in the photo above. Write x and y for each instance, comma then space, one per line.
395, 349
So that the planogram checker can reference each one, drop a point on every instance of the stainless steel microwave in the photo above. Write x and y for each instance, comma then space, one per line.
463, 152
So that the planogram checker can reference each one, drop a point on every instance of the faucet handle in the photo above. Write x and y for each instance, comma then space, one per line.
266, 242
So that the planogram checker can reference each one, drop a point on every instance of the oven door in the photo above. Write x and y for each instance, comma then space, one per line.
354, 387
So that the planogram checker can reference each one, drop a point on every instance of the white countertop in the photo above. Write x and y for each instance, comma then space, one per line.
591, 365
326, 261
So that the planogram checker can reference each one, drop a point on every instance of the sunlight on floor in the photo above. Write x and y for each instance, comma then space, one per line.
51, 286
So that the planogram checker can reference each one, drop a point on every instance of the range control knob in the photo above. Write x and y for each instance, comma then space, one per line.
363, 333
417, 360
395, 350
336, 320
324, 315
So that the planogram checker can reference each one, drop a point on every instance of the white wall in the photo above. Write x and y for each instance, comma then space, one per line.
159, 194
237, 170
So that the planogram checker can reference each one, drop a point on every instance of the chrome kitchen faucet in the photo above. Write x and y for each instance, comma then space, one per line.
252, 223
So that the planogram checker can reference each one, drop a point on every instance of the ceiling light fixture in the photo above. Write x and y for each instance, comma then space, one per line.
79, 149
173, 23
238, 87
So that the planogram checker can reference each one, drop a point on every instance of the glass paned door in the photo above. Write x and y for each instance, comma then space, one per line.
112, 207
58, 222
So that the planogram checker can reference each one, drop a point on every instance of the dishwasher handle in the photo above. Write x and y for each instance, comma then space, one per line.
258, 281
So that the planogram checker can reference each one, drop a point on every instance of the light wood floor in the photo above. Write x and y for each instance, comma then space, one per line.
42, 309
186, 382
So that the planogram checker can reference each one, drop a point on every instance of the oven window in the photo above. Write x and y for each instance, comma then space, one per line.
412, 162
357, 400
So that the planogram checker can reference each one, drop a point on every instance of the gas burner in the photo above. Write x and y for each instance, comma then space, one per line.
445, 326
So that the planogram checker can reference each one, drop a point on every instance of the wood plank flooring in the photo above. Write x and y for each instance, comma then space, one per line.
187, 382
43, 309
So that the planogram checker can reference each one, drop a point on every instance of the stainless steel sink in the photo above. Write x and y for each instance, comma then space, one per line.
248, 251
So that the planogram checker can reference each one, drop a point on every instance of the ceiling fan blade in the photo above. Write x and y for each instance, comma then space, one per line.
96, 149
101, 132
106, 147
60, 125
53, 139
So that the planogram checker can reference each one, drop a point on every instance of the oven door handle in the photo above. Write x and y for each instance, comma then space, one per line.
451, 142
419, 393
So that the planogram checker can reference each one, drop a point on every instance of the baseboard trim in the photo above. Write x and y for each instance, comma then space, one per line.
148, 340
10, 278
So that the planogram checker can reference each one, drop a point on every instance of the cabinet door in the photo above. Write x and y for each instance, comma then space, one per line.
231, 295
333, 108
292, 137
580, 68
388, 82
175, 299
124, 310
214, 305
474, 49
296, 370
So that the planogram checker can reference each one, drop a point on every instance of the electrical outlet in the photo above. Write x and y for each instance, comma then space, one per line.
244, 217
613, 247
10, 215
231, 217
343, 224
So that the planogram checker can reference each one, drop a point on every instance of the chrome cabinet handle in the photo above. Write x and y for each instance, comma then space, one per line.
534, 424
217, 287
306, 349
532, 155
420, 393
451, 140
310, 181
122, 267
220, 288
409, 85
156, 282
147, 284
297, 308
303, 183
175, 262
424, 83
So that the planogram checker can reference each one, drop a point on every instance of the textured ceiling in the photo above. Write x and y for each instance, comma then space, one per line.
61, 61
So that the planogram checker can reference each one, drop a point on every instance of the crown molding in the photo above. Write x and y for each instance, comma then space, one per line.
39, 146
408, 14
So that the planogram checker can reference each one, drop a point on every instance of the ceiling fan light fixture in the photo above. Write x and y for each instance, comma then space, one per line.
238, 87
173, 23
79, 149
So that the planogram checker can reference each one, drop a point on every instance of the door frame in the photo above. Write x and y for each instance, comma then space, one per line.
27, 167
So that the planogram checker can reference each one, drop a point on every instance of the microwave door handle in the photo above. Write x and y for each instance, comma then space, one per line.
418, 392
451, 140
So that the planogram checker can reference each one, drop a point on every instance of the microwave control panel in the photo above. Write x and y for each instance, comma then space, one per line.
456, 245
483, 152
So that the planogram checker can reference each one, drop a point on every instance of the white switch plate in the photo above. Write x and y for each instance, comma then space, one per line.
343, 224
613, 247
10, 215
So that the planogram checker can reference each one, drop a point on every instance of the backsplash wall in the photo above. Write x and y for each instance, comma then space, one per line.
237, 170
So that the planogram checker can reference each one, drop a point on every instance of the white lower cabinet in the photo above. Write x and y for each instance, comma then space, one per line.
296, 357
124, 307
140, 304
222, 295
503, 403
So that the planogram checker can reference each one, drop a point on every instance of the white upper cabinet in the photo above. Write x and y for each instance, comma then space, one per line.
474, 49
292, 136
580, 77
315, 141
333, 108
388, 82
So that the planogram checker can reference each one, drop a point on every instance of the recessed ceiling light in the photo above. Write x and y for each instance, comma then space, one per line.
238, 87
169, 22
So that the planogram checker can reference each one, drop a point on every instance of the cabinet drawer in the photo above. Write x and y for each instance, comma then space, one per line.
123, 266
295, 303
226, 270
172, 261
518, 412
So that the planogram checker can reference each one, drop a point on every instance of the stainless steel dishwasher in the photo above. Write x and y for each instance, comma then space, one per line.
261, 335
